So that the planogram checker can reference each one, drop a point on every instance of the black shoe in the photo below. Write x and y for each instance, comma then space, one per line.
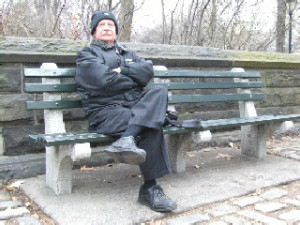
125, 150
155, 198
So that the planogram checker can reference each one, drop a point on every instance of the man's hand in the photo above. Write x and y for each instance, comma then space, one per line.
118, 70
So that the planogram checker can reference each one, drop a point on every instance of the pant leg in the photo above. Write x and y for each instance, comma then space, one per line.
157, 161
150, 108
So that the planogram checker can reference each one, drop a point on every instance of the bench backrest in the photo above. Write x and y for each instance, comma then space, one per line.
172, 79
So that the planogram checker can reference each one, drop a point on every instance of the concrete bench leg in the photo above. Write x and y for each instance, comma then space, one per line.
254, 138
177, 146
59, 169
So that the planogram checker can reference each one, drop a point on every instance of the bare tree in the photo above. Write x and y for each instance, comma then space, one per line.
280, 26
125, 20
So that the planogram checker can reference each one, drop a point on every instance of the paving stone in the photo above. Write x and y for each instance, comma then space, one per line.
11, 204
190, 219
248, 201
218, 223
4, 196
236, 220
11, 213
295, 148
293, 202
273, 194
27, 221
294, 156
291, 216
221, 210
269, 206
261, 218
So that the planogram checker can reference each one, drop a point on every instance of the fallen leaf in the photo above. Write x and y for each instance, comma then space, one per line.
197, 166
190, 155
258, 191
17, 184
206, 150
221, 155
84, 168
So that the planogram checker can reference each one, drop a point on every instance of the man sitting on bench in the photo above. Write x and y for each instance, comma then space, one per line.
110, 80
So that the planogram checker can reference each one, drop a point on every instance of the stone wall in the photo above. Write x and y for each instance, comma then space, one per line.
280, 74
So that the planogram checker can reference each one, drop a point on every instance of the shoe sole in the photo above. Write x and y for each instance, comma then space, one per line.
126, 156
157, 209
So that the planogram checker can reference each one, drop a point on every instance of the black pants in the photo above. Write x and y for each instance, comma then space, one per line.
148, 111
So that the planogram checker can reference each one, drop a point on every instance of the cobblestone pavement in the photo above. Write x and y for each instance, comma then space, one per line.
274, 205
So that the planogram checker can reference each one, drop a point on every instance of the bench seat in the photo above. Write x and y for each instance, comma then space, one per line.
82, 137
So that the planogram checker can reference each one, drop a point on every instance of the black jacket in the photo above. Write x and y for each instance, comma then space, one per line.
99, 86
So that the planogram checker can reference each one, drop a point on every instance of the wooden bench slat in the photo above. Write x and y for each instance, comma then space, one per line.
53, 73
225, 85
69, 138
71, 87
70, 72
235, 122
174, 99
61, 104
39, 87
204, 74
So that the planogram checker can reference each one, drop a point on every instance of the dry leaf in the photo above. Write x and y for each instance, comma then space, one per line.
221, 155
197, 166
206, 150
190, 155
258, 191
84, 168
17, 184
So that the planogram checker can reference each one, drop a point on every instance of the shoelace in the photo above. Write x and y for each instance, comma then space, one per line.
159, 193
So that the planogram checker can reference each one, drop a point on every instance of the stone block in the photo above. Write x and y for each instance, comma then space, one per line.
293, 202
291, 216
27, 221
17, 141
280, 78
13, 109
9, 204
281, 96
190, 219
10, 78
260, 217
221, 210
12, 213
269, 207
236, 220
274, 194
248, 201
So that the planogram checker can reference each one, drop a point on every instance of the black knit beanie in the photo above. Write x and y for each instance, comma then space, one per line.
102, 15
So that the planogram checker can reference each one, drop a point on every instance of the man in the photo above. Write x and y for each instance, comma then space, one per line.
110, 80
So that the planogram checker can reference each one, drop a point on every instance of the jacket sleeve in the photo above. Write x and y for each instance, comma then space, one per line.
139, 69
95, 76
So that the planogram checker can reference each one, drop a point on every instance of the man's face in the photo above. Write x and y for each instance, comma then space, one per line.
106, 31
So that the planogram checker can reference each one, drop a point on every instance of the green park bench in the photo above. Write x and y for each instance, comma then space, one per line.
62, 148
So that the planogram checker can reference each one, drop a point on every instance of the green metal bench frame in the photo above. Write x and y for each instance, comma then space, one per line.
62, 148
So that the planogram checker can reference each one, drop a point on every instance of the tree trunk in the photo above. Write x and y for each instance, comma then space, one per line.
125, 20
280, 26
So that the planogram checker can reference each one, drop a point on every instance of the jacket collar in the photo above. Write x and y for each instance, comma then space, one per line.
107, 46
102, 44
